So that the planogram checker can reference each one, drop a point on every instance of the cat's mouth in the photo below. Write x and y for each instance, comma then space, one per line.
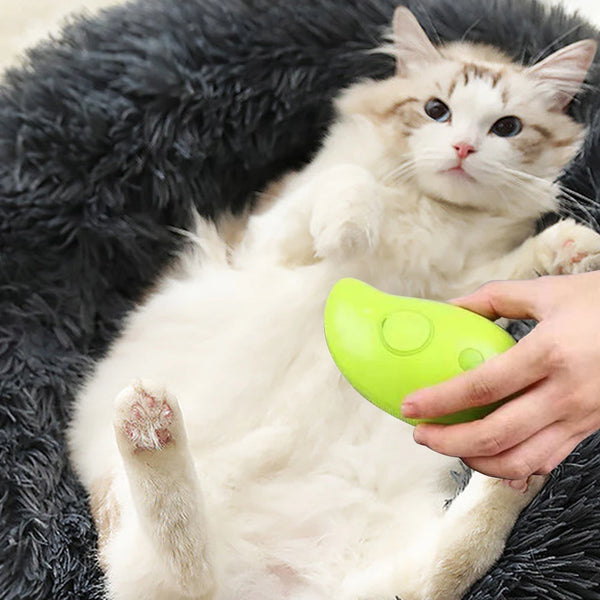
459, 171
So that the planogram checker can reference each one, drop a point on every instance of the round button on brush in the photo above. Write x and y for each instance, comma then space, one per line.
470, 358
406, 331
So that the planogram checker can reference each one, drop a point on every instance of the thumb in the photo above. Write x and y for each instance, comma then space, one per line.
510, 299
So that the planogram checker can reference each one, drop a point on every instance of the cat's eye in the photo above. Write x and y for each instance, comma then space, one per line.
437, 110
507, 127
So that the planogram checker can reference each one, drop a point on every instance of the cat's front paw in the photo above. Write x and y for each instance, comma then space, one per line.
568, 247
348, 219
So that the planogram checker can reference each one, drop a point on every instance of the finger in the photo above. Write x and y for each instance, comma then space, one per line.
561, 453
508, 426
536, 456
510, 299
488, 383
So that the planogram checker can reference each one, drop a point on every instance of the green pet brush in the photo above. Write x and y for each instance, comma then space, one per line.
389, 346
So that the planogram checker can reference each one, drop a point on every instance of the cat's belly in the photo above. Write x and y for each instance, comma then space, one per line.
242, 352
302, 477
319, 511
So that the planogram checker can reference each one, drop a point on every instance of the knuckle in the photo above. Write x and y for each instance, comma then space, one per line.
566, 404
490, 290
519, 468
489, 444
545, 469
480, 391
556, 355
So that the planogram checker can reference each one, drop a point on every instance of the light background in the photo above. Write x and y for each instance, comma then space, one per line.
23, 22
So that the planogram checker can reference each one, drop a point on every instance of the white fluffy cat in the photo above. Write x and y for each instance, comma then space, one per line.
250, 469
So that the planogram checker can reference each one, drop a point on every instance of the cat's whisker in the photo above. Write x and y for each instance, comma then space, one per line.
578, 206
529, 194
564, 210
578, 199
530, 186
397, 177
569, 204
401, 168
470, 28
532, 189
403, 171
405, 160
528, 178
501, 174
522, 175
576, 194
536, 58
575, 197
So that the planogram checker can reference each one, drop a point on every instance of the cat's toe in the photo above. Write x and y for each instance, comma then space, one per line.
586, 262
146, 418
579, 255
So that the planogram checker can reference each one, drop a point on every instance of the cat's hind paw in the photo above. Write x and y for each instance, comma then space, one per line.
146, 418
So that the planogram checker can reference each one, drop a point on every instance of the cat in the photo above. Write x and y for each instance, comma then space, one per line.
225, 456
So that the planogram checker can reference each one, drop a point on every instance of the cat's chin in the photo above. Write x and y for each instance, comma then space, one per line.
454, 186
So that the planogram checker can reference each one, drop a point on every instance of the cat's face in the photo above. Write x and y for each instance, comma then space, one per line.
469, 126
480, 131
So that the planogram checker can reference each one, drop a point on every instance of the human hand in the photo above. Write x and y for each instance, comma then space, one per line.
556, 368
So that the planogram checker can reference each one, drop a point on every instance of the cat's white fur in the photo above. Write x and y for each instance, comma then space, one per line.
287, 484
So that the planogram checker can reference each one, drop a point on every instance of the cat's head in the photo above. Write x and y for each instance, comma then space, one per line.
471, 127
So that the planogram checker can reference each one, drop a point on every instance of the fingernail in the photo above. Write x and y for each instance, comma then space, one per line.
410, 409
418, 436
410, 405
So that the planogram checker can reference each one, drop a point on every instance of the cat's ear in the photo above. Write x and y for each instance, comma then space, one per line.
564, 71
412, 46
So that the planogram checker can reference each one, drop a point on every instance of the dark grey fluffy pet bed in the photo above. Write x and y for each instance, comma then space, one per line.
108, 137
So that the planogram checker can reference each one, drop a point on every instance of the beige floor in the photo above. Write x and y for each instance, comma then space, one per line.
23, 22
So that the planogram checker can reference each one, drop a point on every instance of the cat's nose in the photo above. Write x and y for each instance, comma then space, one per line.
463, 149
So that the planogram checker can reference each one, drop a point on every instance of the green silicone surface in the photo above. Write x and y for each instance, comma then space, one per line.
389, 346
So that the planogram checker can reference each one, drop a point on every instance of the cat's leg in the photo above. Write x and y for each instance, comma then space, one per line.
334, 212
473, 534
565, 247
454, 549
158, 547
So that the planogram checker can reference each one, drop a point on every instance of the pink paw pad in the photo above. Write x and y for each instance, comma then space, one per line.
577, 257
147, 422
